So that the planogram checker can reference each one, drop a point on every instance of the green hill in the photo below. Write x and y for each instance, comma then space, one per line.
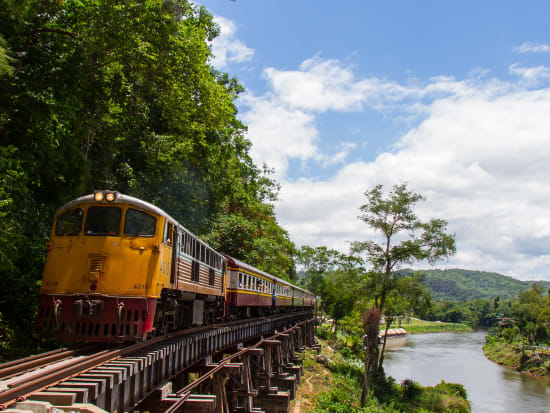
465, 285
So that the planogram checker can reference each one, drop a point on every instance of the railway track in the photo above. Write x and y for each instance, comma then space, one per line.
22, 378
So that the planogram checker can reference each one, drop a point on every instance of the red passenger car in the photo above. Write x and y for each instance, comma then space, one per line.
254, 292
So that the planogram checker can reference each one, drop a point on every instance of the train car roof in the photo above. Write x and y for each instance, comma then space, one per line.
236, 262
129, 200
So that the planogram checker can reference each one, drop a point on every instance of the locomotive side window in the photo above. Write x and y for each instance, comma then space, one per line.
69, 223
211, 276
103, 221
195, 271
139, 224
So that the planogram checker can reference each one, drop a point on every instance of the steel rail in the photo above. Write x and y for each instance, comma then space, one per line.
15, 367
21, 389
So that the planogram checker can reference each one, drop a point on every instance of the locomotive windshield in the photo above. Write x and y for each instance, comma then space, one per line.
69, 223
103, 221
139, 224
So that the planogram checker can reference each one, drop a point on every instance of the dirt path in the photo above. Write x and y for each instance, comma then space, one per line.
316, 379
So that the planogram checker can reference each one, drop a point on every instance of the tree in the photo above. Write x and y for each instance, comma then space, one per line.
403, 239
121, 95
316, 262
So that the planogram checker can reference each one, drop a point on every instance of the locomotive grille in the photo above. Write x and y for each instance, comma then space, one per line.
97, 264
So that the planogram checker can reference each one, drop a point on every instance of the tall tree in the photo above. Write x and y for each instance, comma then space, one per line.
403, 239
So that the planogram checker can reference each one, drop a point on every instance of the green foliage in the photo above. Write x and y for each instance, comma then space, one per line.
480, 312
114, 95
5, 59
466, 285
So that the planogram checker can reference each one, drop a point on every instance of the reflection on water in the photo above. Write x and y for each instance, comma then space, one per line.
457, 357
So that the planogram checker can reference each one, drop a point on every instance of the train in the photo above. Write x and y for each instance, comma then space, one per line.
119, 269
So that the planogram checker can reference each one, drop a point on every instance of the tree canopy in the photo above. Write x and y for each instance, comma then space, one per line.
121, 95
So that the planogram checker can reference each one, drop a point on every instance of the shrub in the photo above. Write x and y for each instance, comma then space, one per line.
410, 390
324, 331
454, 389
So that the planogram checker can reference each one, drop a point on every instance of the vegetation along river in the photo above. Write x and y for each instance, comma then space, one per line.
458, 357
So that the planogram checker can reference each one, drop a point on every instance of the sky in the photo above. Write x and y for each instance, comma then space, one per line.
452, 98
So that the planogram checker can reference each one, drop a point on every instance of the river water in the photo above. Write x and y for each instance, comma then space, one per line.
457, 357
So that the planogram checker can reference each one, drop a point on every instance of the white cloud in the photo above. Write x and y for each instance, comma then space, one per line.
529, 47
479, 154
279, 133
226, 48
531, 75
482, 162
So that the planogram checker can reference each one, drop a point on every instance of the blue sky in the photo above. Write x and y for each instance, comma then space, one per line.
451, 97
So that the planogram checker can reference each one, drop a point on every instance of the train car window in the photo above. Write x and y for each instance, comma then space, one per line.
69, 223
169, 234
211, 276
103, 221
240, 280
139, 224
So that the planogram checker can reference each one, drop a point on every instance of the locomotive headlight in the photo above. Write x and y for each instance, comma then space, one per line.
110, 196
98, 196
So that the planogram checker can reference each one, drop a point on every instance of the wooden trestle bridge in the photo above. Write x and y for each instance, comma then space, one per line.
243, 366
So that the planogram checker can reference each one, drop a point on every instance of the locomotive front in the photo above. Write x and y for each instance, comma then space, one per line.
105, 269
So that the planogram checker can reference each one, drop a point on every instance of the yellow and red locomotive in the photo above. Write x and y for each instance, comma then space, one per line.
121, 269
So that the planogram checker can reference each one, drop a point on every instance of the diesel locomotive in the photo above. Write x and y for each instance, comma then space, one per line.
120, 269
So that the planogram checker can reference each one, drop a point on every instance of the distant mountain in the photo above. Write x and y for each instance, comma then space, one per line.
465, 285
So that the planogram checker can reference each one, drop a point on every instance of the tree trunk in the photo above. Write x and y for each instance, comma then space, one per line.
371, 327
388, 324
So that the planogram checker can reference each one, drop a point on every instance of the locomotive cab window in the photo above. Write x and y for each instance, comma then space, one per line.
168, 233
139, 224
103, 221
69, 223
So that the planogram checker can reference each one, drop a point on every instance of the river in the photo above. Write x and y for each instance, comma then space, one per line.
457, 357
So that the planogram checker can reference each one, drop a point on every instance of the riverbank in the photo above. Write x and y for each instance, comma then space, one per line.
332, 383
534, 363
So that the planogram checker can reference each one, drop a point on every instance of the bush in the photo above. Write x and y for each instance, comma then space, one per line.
454, 389
410, 390
324, 331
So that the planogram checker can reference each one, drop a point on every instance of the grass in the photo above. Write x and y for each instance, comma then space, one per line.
416, 326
